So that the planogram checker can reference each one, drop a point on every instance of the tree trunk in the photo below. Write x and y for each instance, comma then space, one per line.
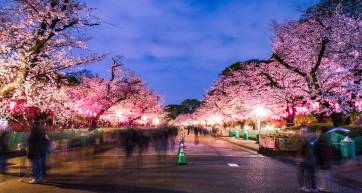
20, 79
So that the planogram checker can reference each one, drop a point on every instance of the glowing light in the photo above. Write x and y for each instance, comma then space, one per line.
12, 105
301, 110
144, 118
285, 115
260, 112
269, 127
3, 123
291, 111
315, 105
359, 105
119, 114
275, 117
247, 127
156, 121
214, 120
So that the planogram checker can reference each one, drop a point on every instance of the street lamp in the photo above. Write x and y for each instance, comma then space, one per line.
260, 112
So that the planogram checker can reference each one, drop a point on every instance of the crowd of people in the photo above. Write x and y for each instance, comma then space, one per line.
39, 145
142, 140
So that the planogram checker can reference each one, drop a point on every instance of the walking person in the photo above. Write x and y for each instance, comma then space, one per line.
328, 155
36, 143
4, 149
45, 149
308, 165
196, 139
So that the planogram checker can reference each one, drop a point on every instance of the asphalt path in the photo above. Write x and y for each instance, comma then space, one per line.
213, 166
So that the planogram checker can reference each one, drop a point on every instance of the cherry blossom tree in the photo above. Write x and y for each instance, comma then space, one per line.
324, 55
94, 96
38, 39
316, 63
236, 95
143, 108
125, 97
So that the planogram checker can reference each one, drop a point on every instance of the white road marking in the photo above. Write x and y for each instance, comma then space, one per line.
233, 165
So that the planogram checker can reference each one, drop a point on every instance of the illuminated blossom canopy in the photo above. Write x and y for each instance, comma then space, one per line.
315, 68
122, 98
324, 54
38, 39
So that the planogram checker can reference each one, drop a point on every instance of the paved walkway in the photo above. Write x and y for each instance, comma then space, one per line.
214, 166
248, 144
349, 173
20, 166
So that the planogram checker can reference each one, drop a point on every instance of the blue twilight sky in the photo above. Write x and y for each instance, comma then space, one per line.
179, 47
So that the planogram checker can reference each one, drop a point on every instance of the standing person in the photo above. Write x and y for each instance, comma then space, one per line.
129, 139
45, 149
196, 132
4, 140
308, 165
328, 155
36, 142
93, 132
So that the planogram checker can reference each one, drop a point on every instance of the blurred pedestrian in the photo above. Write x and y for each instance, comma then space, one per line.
172, 138
328, 155
129, 141
93, 132
308, 164
36, 143
45, 149
143, 142
4, 150
196, 132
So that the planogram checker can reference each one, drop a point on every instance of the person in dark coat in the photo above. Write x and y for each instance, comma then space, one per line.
36, 144
129, 139
4, 149
308, 165
328, 155
44, 153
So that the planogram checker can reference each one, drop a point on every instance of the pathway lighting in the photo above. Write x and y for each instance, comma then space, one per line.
260, 113
12, 105
156, 121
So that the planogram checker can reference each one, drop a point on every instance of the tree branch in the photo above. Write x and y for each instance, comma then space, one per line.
286, 65
273, 83
318, 63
